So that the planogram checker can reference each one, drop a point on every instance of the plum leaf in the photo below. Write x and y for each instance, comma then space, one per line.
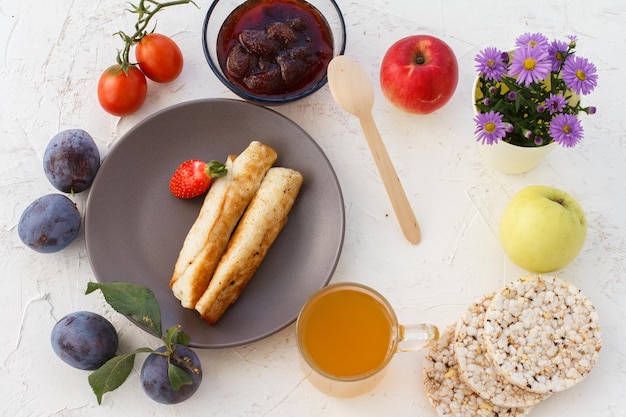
139, 304
175, 336
113, 373
136, 302
178, 377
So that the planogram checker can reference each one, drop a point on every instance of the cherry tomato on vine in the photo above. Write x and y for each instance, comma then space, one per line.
159, 57
122, 93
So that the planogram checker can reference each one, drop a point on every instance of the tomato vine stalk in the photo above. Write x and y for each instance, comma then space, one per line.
144, 13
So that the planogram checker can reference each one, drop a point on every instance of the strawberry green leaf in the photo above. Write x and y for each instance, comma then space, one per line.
178, 377
215, 169
136, 302
113, 373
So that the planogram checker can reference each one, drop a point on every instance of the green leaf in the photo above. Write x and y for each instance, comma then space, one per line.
182, 338
134, 301
113, 373
175, 336
178, 377
171, 337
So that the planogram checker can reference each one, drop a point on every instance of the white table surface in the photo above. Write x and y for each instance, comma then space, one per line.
52, 53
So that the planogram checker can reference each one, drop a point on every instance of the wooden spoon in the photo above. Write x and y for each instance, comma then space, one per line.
352, 90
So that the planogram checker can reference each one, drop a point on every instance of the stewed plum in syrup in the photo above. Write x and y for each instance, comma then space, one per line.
273, 48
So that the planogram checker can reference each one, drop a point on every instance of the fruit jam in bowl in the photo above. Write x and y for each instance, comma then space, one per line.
272, 52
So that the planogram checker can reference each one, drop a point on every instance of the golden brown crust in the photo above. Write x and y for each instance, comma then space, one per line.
260, 225
223, 206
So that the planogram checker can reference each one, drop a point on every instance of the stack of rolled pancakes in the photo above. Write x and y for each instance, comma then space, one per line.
240, 218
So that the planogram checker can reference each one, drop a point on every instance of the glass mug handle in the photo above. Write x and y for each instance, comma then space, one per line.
416, 336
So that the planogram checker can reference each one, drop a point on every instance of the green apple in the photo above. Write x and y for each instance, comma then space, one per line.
542, 228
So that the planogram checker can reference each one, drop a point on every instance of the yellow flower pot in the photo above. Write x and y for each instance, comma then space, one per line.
512, 159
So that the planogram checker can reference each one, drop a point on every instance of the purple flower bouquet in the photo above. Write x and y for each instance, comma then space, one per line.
531, 96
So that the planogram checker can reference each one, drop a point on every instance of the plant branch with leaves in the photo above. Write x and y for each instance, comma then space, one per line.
139, 304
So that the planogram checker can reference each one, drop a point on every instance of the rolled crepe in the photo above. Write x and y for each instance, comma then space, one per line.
222, 208
260, 225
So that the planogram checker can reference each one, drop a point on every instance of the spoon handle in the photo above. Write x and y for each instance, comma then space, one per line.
399, 200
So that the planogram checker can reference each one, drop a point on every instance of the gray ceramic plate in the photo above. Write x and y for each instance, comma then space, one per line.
135, 228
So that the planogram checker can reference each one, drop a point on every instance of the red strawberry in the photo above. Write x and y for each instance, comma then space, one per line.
194, 177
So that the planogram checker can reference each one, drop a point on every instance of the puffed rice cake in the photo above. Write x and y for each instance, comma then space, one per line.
446, 392
475, 367
542, 333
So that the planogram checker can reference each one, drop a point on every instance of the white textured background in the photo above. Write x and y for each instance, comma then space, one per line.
51, 55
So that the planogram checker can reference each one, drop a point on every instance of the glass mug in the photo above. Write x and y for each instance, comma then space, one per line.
346, 335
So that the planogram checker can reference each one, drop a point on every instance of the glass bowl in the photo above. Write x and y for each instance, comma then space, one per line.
215, 18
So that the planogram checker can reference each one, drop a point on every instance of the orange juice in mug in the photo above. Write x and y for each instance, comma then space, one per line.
347, 333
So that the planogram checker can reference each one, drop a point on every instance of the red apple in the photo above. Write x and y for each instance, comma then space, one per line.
419, 74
